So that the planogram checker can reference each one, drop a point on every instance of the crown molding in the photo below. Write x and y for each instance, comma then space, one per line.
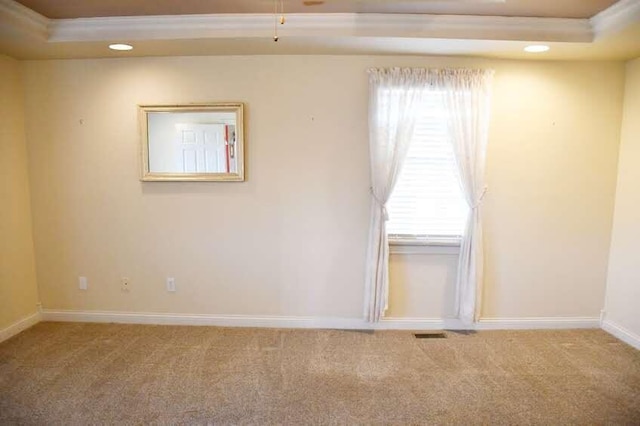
20, 23
23, 19
321, 25
616, 18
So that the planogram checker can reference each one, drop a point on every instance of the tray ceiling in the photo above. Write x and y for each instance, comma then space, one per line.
575, 29
531, 8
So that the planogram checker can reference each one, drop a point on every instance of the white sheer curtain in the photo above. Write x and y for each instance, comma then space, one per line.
467, 99
393, 98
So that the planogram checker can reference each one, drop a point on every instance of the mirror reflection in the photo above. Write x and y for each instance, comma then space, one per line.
195, 142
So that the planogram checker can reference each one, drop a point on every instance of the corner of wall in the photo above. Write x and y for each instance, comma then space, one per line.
18, 284
620, 314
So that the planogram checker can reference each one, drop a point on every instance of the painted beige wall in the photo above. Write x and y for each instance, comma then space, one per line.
551, 167
623, 286
291, 240
18, 290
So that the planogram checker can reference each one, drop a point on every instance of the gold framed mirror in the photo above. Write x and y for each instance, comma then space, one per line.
194, 142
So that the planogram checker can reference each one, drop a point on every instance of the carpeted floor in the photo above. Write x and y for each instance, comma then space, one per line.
85, 374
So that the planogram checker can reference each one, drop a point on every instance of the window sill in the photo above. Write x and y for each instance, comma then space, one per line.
449, 246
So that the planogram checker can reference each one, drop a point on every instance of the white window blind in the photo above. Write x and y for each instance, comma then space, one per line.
427, 201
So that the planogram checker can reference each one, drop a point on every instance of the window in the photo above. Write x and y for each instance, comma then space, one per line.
427, 202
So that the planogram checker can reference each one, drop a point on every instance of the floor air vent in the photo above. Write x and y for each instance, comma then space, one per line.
430, 335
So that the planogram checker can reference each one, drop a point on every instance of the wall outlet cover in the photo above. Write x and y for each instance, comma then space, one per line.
171, 284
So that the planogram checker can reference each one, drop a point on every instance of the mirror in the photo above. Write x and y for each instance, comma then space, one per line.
199, 142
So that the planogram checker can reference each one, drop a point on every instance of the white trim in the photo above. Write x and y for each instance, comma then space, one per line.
621, 333
198, 319
454, 27
131, 28
314, 322
425, 245
424, 241
22, 18
453, 250
19, 326
616, 17
538, 323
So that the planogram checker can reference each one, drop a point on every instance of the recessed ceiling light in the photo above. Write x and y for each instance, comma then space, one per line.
120, 46
536, 48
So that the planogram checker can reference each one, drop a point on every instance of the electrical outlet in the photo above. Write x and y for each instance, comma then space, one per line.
82, 283
125, 284
171, 284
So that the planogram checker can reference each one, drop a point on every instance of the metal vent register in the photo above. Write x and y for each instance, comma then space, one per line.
430, 335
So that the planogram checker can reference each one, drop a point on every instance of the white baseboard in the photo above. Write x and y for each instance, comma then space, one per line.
538, 323
312, 322
19, 326
621, 333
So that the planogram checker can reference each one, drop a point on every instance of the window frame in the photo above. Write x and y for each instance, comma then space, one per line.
418, 244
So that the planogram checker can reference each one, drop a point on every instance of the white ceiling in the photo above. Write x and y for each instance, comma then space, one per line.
472, 28
532, 8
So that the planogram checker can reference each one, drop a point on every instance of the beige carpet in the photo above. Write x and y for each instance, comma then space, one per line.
129, 374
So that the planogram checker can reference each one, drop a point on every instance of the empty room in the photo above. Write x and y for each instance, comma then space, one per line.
229, 212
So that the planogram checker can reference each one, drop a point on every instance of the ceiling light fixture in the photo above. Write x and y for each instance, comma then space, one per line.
536, 48
120, 46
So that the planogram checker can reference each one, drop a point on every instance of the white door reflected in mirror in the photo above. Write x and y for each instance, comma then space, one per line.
192, 142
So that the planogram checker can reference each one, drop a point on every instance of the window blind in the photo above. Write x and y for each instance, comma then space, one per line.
427, 200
